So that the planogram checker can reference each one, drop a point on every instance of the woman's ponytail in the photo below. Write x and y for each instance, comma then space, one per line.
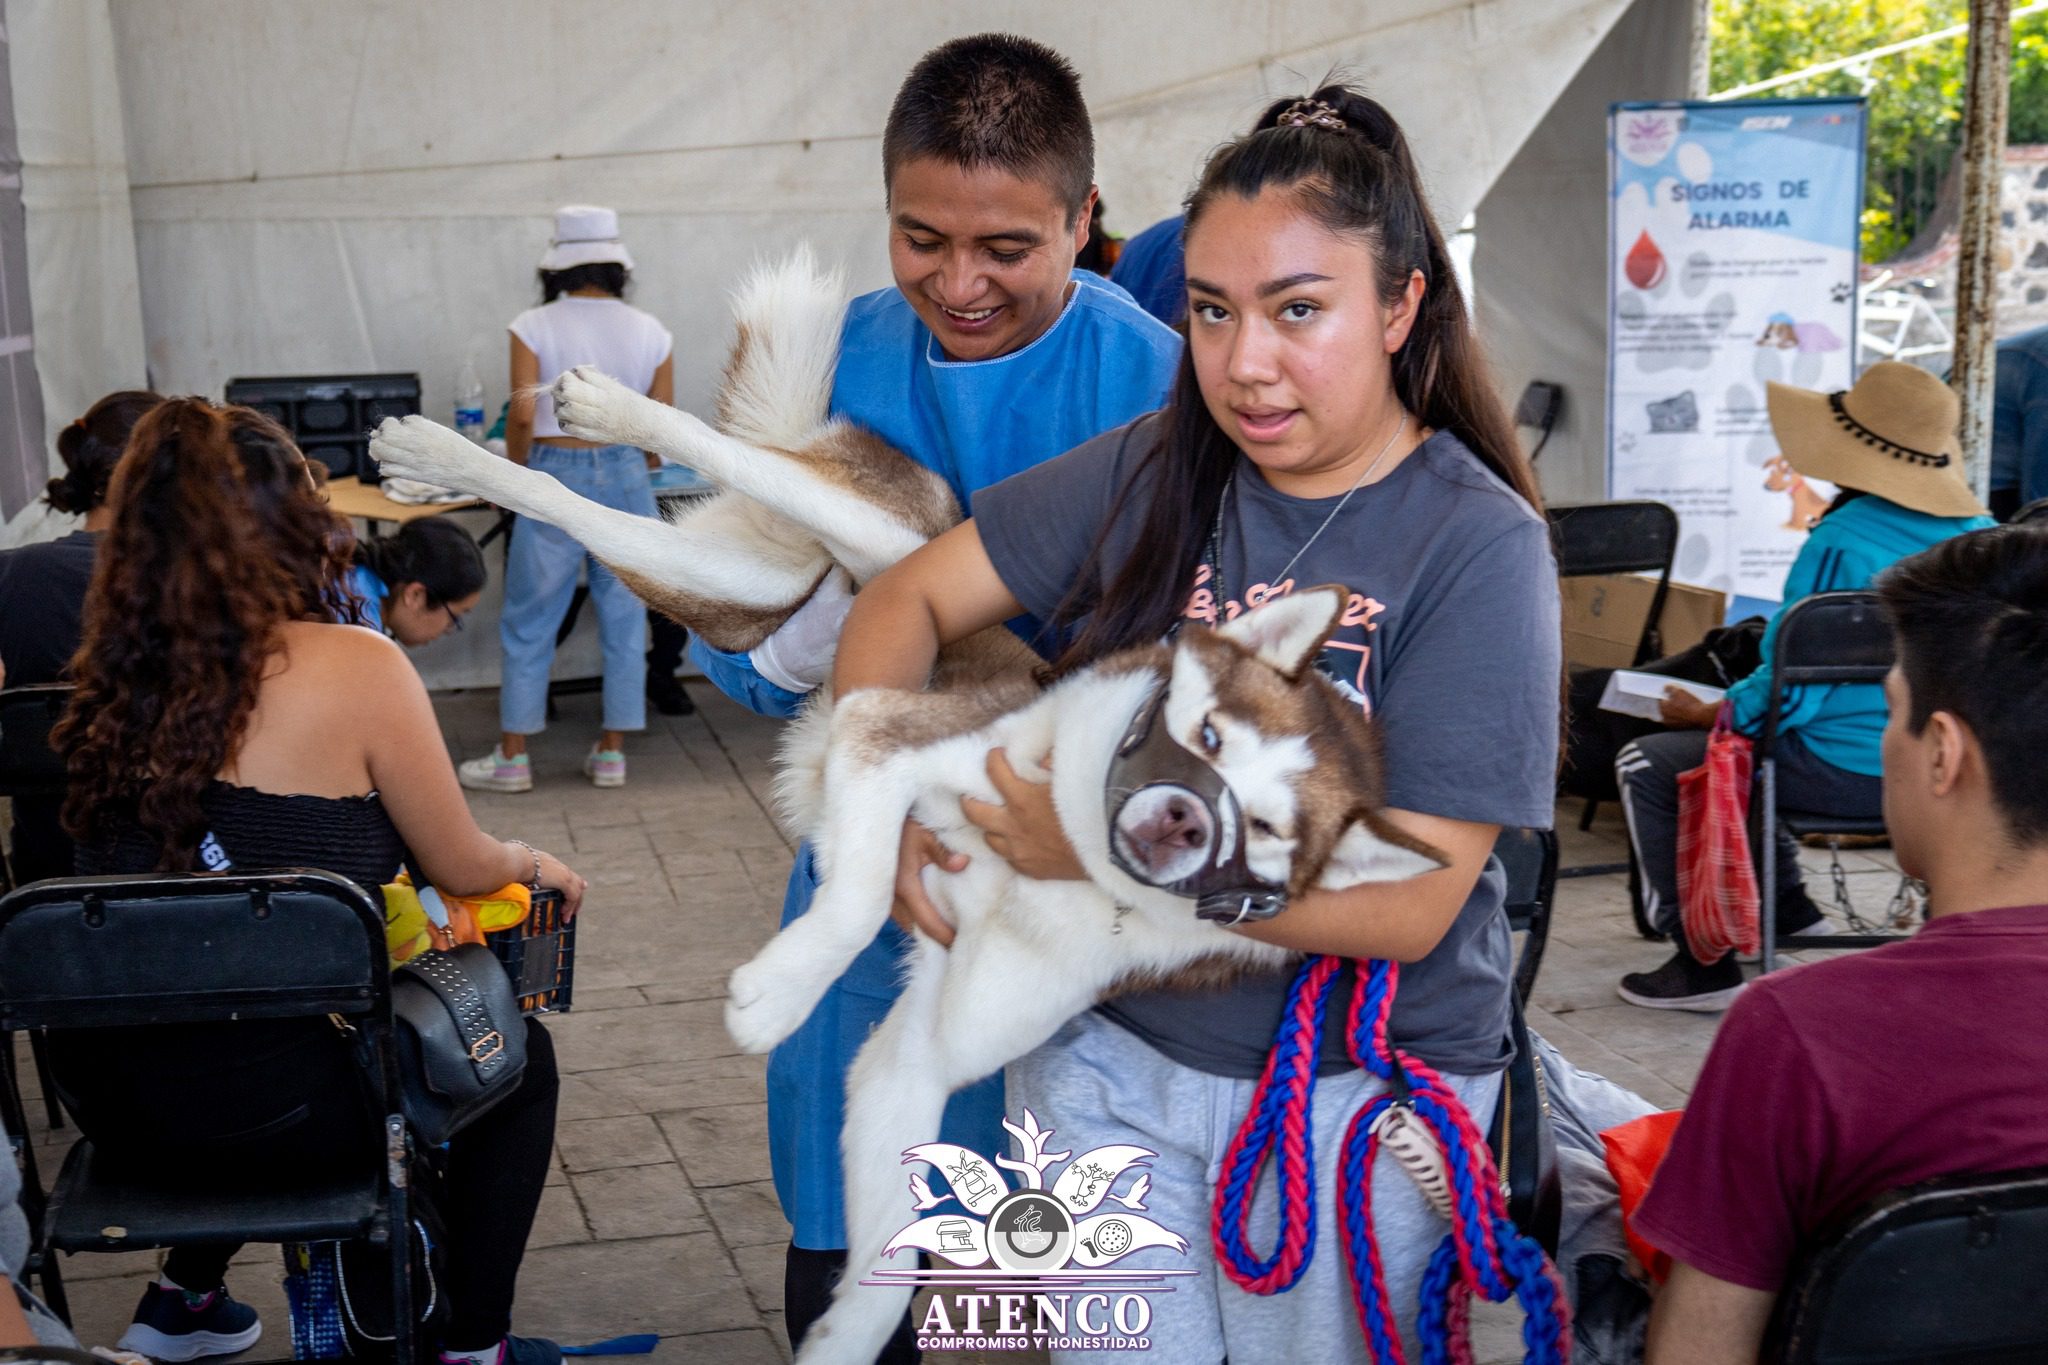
436, 554
90, 448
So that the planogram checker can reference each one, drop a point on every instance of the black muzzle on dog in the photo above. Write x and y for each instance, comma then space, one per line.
1186, 832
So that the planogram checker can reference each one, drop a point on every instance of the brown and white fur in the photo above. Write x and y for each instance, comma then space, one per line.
1031, 954
798, 491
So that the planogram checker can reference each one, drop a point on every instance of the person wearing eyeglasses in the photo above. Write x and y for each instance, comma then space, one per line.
418, 583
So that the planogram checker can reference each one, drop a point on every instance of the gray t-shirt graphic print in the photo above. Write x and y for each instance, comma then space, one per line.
1451, 640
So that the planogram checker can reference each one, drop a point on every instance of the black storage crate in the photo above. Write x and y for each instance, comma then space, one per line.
540, 956
332, 416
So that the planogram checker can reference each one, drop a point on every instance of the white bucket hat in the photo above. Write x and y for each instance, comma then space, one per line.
585, 235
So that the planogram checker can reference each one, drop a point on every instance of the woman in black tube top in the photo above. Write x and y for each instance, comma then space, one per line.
221, 721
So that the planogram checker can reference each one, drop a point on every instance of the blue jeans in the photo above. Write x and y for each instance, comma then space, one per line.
540, 577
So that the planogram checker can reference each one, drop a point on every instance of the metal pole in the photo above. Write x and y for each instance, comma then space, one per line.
1700, 81
1987, 86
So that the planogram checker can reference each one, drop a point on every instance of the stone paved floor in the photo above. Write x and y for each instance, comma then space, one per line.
659, 1215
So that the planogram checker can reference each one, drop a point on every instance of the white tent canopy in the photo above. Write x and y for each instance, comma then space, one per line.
333, 188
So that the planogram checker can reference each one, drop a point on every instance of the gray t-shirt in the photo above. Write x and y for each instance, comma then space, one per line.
1451, 641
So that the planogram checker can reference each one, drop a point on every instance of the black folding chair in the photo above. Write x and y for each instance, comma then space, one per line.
1529, 857
1943, 1273
100, 952
1831, 639
1594, 538
31, 770
2037, 510
29, 767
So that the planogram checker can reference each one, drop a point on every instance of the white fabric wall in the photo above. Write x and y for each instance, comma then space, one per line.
83, 295
323, 187
365, 186
1541, 258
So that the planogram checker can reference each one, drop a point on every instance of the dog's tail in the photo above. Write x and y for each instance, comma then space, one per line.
799, 790
778, 380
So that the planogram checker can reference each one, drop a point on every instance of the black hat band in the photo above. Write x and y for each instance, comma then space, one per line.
1932, 458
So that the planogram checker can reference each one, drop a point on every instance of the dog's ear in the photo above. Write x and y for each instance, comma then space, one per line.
1286, 632
1372, 850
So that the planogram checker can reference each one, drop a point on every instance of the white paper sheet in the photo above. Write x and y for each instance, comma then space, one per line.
1637, 694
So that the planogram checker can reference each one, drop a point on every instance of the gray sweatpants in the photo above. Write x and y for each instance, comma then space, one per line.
1647, 770
1098, 1084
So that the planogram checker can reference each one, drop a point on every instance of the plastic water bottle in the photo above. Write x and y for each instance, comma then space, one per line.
469, 403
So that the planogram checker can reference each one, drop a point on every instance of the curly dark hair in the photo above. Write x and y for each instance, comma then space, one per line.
91, 446
218, 539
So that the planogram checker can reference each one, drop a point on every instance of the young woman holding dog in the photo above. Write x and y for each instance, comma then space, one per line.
1331, 423
222, 719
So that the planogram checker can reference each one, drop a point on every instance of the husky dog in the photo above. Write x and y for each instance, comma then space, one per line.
1293, 779
800, 494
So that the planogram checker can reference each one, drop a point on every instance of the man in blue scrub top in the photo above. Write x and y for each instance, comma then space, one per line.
990, 355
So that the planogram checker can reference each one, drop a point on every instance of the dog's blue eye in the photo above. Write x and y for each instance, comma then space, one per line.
1211, 741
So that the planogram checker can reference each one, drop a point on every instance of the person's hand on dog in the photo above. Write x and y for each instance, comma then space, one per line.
1682, 710
1024, 828
913, 908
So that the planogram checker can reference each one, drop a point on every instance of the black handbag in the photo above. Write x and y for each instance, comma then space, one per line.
461, 1039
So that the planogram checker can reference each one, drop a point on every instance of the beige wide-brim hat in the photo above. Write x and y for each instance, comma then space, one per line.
585, 234
1893, 434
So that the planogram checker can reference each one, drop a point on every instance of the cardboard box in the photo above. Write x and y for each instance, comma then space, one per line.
1603, 618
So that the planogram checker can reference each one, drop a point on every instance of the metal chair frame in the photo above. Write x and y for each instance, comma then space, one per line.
52, 978
1940, 1273
29, 767
1529, 857
1826, 640
1589, 542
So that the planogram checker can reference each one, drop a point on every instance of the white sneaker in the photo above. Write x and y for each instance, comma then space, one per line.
605, 768
496, 773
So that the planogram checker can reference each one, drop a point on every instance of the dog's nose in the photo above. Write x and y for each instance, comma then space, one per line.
1180, 825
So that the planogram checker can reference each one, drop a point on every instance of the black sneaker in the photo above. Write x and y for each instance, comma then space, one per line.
1797, 914
668, 695
1684, 984
173, 1325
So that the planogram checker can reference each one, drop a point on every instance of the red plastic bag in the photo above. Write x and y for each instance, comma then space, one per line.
1717, 889
1634, 1152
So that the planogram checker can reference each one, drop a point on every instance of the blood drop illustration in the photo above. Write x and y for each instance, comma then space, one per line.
1645, 264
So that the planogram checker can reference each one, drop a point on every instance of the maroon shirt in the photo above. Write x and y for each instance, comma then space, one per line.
1831, 1083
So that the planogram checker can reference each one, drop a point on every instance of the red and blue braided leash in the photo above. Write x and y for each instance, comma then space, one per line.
1484, 1251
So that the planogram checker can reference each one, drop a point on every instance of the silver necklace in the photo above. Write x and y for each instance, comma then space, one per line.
1216, 532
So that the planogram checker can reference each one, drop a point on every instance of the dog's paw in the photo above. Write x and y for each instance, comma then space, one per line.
416, 448
592, 406
759, 1009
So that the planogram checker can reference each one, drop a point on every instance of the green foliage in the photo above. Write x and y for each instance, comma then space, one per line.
1916, 97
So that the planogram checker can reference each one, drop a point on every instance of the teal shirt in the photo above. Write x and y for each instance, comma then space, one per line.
1841, 724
